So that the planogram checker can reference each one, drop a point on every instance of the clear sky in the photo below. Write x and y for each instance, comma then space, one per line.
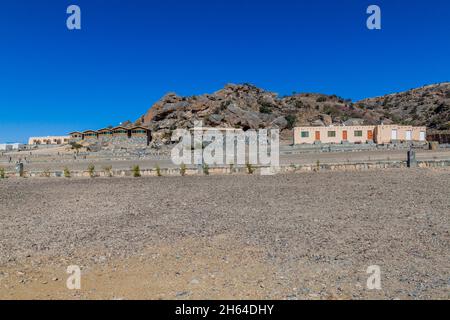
129, 53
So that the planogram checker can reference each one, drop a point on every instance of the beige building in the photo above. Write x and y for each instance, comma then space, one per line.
392, 133
380, 134
50, 140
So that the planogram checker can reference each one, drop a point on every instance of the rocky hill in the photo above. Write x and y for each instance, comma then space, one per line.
248, 107
429, 105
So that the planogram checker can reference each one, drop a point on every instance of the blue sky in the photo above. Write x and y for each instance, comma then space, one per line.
130, 53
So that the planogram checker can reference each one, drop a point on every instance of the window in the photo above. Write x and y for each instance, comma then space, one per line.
305, 134
422, 136
394, 134
408, 135
331, 134
358, 133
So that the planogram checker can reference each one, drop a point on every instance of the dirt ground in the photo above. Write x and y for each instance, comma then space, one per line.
297, 236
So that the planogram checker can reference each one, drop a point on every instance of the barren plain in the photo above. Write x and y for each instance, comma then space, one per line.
297, 236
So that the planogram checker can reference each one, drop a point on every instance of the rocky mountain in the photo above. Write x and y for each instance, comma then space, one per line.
248, 107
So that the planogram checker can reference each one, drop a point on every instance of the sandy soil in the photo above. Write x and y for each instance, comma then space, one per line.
299, 236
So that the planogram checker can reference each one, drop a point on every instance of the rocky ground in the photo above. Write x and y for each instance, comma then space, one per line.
299, 236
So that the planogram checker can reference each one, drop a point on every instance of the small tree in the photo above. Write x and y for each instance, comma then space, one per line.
76, 146
108, 171
67, 172
250, 169
290, 121
91, 170
265, 109
205, 169
318, 165
136, 171
2, 173
158, 171
183, 169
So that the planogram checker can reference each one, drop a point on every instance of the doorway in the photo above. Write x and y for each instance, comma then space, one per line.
317, 135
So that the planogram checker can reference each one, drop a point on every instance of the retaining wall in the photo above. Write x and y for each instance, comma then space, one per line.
349, 147
261, 170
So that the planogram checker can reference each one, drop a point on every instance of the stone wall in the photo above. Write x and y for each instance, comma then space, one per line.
259, 170
308, 148
117, 141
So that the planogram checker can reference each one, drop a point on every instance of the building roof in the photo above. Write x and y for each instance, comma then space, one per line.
105, 129
119, 127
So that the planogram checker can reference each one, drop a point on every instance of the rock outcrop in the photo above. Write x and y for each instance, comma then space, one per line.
248, 107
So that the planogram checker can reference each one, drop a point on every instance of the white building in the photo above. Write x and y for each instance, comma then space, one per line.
50, 140
5, 147
11, 146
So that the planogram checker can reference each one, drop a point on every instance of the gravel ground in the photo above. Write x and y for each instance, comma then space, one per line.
309, 235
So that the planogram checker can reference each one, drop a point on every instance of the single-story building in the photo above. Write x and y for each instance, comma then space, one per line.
5, 147
138, 131
397, 133
105, 133
379, 134
334, 134
120, 132
90, 134
50, 140
76, 135
11, 146
132, 136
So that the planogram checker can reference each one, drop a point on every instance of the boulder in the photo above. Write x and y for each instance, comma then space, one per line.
354, 122
280, 123
318, 123
215, 119
326, 119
